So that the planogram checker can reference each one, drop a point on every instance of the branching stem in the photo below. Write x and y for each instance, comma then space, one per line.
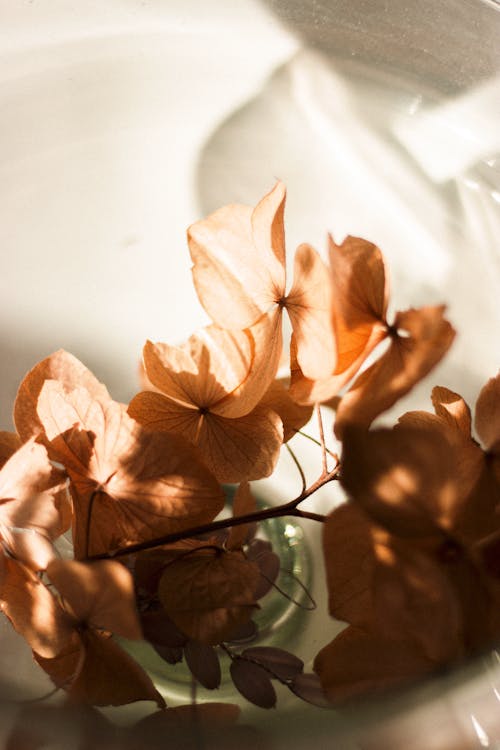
287, 509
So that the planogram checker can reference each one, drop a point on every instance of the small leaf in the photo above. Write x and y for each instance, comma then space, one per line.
253, 682
308, 687
282, 663
203, 662
170, 654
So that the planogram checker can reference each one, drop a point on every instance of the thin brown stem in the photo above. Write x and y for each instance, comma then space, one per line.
287, 509
317, 409
89, 518
317, 442
299, 467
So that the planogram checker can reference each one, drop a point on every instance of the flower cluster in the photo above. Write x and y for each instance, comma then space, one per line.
411, 556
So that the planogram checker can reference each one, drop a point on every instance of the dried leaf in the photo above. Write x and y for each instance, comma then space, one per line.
279, 662
308, 688
357, 663
425, 338
203, 662
253, 682
209, 593
60, 366
404, 479
100, 594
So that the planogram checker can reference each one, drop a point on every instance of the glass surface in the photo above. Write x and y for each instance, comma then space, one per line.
123, 122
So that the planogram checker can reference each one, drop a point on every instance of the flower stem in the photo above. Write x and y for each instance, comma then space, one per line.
287, 509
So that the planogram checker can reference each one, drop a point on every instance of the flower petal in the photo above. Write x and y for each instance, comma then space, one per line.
60, 366
309, 305
238, 265
427, 337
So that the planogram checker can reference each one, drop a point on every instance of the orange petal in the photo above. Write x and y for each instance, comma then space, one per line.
361, 294
293, 415
267, 346
487, 420
404, 479
415, 598
60, 366
100, 673
160, 487
33, 610
238, 269
241, 449
35, 508
210, 593
223, 371
9, 443
349, 564
452, 409
309, 306
359, 663
427, 337
157, 412
100, 594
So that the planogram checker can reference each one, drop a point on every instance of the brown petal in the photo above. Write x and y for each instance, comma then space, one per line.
293, 415
160, 487
487, 420
157, 412
35, 502
452, 409
349, 564
104, 675
415, 599
427, 337
359, 663
100, 594
10, 442
241, 449
32, 609
360, 297
404, 479
209, 593
309, 305
237, 255
60, 366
